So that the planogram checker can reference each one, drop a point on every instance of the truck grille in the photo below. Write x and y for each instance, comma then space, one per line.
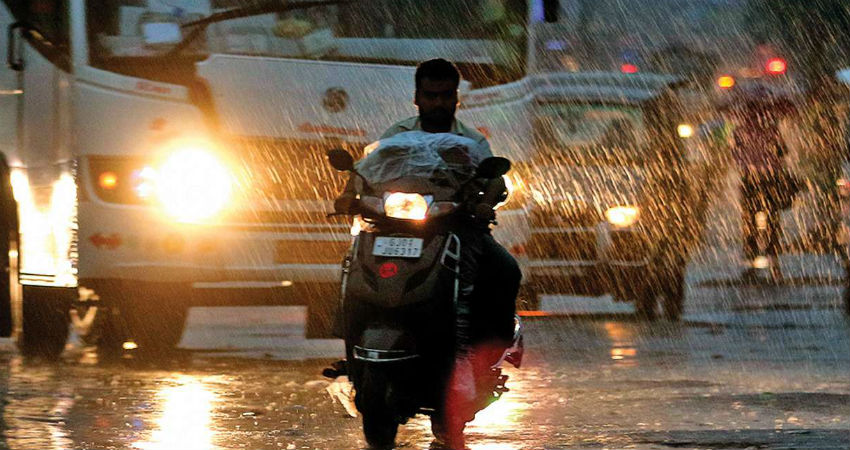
566, 245
563, 214
629, 246
287, 169
313, 252
316, 219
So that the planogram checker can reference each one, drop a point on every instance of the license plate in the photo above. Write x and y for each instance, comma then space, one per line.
397, 247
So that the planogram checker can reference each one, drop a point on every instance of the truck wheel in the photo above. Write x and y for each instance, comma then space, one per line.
103, 329
847, 298
44, 321
845, 262
673, 293
646, 301
528, 298
152, 315
321, 313
154, 323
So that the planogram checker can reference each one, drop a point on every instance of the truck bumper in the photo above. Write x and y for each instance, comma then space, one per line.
586, 260
133, 244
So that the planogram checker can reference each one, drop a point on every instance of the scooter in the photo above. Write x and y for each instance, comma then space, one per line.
400, 288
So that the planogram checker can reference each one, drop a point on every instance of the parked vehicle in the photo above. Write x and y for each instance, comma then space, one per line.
400, 290
612, 208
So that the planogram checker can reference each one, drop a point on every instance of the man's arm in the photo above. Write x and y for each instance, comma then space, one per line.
347, 200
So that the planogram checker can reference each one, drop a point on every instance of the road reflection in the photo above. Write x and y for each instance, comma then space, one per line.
36, 421
186, 417
622, 340
502, 420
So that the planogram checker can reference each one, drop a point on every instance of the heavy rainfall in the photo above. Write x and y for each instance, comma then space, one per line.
301, 224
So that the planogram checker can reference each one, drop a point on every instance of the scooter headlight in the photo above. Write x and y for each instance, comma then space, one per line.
400, 205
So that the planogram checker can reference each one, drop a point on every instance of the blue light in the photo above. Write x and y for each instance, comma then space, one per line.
557, 44
537, 15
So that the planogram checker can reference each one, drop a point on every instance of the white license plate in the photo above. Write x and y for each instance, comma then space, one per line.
398, 247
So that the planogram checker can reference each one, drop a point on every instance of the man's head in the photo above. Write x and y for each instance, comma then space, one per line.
437, 81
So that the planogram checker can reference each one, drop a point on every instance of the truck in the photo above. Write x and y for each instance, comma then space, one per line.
614, 186
171, 154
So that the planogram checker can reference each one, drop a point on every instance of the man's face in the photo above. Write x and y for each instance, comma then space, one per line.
437, 102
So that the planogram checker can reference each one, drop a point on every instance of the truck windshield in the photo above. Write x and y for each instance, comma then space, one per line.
486, 38
592, 133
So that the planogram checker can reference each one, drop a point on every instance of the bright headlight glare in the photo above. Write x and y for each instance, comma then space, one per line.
400, 205
622, 216
192, 184
144, 182
685, 130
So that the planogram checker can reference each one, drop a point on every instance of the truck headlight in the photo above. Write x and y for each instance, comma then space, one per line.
400, 205
192, 184
622, 216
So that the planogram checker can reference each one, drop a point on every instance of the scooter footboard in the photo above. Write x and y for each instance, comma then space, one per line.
409, 378
385, 345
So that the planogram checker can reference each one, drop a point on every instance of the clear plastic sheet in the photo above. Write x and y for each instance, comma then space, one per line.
446, 159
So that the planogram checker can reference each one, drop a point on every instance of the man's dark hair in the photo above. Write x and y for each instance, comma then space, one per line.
437, 69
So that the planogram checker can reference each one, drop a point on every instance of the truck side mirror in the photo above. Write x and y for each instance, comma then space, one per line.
341, 160
13, 57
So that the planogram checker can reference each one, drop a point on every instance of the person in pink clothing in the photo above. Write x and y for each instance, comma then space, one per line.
766, 186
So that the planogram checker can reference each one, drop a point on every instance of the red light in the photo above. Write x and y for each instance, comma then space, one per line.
776, 66
629, 68
726, 82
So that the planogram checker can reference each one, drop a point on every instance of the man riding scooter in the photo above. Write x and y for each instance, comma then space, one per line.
767, 185
490, 277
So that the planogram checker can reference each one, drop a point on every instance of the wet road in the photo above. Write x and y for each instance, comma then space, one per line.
751, 367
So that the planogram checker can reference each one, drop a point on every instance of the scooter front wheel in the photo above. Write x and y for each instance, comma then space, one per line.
379, 425
380, 430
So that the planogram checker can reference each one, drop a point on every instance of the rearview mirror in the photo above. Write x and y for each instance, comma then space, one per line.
493, 167
340, 160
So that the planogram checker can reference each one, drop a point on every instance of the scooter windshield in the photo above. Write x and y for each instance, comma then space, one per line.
445, 160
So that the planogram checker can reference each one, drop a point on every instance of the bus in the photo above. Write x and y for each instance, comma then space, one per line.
172, 153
